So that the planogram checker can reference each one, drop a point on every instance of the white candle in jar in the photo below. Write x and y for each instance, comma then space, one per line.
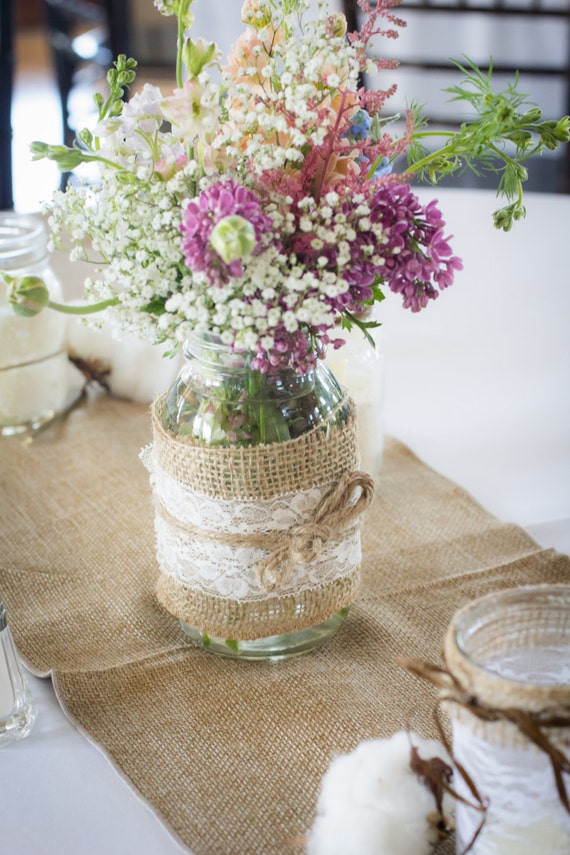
37, 381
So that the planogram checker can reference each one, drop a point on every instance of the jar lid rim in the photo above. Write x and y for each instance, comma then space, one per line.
473, 672
23, 240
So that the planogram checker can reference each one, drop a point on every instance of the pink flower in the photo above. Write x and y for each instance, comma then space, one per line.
167, 167
250, 51
223, 199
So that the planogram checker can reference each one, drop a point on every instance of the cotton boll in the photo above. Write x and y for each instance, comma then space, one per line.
373, 803
137, 370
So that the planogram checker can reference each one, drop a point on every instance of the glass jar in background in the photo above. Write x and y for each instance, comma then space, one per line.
37, 381
510, 653
17, 710
359, 367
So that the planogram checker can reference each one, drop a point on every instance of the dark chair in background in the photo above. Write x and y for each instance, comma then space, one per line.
6, 86
552, 69
105, 31
85, 36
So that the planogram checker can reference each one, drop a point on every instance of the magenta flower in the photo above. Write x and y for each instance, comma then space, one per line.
423, 258
223, 199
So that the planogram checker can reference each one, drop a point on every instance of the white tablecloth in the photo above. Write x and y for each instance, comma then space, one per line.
478, 386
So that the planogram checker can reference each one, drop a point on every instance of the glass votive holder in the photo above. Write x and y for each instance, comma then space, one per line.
359, 367
17, 709
509, 653
37, 380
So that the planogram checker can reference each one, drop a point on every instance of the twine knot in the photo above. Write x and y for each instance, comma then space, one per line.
532, 725
306, 541
303, 543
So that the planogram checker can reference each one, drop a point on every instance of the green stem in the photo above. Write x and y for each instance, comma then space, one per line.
87, 309
505, 157
446, 150
180, 46
89, 158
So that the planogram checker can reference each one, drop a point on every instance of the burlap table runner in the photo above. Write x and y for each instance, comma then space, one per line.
230, 754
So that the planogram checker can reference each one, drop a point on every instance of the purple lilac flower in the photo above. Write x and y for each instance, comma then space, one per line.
417, 257
290, 350
423, 255
223, 199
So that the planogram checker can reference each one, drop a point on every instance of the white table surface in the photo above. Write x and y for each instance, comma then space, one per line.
478, 386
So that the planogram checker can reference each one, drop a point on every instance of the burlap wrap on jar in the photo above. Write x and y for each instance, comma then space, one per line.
259, 540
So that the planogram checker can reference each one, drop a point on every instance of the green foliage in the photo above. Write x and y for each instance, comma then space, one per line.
155, 306
84, 150
119, 77
507, 131
348, 320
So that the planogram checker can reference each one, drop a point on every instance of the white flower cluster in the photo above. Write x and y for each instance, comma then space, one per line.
294, 90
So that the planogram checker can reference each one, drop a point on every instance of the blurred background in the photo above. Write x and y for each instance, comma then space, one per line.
55, 53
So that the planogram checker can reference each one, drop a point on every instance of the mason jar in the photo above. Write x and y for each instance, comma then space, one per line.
244, 466
359, 367
510, 654
37, 381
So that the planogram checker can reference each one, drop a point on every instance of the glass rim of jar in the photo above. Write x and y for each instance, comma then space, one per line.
23, 240
502, 607
209, 349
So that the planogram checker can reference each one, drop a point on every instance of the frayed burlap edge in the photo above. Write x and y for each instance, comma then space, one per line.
260, 471
248, 621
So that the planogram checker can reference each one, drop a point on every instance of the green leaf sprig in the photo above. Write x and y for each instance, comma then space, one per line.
507, 131
85, 148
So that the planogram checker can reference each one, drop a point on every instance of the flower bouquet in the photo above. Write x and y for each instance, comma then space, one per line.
253, 215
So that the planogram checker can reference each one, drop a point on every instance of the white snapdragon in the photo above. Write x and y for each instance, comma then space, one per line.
142, 112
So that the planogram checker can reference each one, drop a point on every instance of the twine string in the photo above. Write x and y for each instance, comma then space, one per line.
335, 513
531, 725
29, 363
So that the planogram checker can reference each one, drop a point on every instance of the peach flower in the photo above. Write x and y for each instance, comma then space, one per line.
251, 51
254, 15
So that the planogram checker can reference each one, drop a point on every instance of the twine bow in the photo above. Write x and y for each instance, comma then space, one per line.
302, 543
530, 724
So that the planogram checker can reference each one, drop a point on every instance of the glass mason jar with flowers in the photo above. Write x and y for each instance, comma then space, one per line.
255, 213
